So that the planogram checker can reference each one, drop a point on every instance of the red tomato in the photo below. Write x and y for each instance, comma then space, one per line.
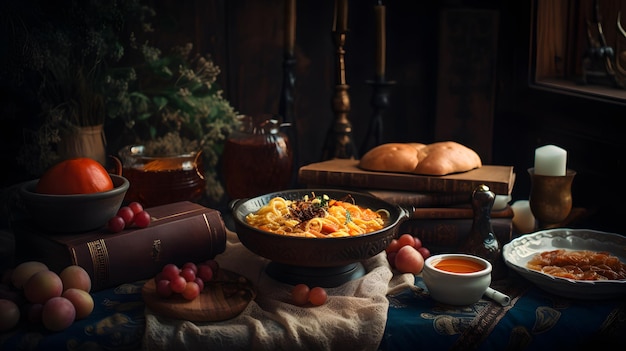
80, 175
328, 228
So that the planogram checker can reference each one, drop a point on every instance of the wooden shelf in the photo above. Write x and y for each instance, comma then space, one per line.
569, 41
590, 91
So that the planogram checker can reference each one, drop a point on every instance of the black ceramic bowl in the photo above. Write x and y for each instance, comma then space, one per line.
315, 252
73, 213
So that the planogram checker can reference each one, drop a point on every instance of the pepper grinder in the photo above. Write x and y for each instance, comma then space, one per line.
481, 240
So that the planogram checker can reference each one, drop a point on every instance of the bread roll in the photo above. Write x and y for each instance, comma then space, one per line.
439, 158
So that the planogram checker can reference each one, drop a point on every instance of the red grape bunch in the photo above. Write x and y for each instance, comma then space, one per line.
127, 216
188, 280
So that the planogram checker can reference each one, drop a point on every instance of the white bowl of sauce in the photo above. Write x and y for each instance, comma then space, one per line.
456, 279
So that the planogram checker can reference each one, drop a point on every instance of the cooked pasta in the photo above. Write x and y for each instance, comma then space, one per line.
317, 217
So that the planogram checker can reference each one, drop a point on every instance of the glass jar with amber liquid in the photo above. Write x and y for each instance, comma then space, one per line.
161, 179
257, 158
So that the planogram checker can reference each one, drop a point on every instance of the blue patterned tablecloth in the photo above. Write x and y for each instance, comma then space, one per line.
116, 323
535, 320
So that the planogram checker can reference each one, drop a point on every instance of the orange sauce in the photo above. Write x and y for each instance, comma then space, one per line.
459, 265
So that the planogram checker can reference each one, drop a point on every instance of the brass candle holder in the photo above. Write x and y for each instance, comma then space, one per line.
550, 197
339, 142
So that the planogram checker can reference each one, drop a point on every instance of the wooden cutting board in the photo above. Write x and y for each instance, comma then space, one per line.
225, 297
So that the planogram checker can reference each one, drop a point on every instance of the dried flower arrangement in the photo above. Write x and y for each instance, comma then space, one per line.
58, 55
171, 105
81, 63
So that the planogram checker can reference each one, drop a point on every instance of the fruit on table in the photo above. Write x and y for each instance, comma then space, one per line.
407, 254
41, 296
43, 286
81, 175
58, 313
9, 315
23, 271
82, 301
409, 260
135, 206
116, 224
75, 276
301, 294
191, 291
187, 281
127, 216
142, 219
318, 296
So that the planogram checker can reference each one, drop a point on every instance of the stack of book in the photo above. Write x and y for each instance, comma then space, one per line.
440, 212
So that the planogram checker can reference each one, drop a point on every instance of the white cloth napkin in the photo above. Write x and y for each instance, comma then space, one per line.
353, 318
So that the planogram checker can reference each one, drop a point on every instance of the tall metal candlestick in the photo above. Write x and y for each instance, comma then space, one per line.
339, 142
380, 93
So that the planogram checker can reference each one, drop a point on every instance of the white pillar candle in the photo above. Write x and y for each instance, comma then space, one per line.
523, 219
550, 160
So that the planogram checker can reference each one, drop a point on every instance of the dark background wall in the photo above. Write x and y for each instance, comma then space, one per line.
249, 49
245, 38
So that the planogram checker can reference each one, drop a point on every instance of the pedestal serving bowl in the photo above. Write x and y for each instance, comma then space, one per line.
321, 257
73, 213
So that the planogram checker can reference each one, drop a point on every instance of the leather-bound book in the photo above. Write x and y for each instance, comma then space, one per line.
446, 235
420, 199
456, 213
342, 173
179, 232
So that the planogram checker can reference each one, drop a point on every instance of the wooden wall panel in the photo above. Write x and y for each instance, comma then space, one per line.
245, 38
468, 51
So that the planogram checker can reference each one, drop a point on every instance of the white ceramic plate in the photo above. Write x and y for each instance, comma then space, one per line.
519, 251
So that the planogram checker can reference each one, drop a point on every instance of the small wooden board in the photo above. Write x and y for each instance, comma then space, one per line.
225, 297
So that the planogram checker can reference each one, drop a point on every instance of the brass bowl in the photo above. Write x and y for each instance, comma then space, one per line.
73, 213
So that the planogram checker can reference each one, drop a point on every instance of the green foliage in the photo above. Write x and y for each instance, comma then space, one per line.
171, 105
82, 62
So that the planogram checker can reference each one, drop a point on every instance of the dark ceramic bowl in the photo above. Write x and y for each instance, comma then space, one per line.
315, 252
73, 213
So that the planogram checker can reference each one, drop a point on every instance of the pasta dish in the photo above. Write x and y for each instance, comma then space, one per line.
317, 217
